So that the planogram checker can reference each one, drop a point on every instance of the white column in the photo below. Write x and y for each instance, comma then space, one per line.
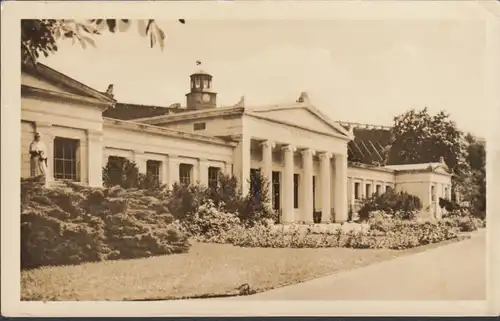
94, 158
307, 186
228, 169
325, 187
267, 166
341, 208
173, 170
140, 161
47, 138
241, 167
203, 172
288, 210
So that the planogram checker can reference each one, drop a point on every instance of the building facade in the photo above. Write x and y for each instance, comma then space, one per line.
302, 153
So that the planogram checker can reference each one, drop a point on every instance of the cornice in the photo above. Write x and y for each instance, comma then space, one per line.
183, 116
58, 96
141, 127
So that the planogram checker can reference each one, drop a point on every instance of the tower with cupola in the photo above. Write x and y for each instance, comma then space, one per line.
201, 95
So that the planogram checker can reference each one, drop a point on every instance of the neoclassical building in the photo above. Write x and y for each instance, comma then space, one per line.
302, 152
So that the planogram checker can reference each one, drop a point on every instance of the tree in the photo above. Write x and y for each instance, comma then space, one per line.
40, 36
422, 138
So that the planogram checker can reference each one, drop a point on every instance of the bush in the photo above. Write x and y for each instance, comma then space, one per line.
402, 205
124, 173
466, 223
80, 224
210, 222
184, 200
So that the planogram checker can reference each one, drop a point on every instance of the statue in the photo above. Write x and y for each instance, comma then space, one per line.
109, 91
38, 159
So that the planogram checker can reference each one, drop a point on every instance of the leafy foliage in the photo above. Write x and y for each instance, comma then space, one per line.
402, 205
122, 172
422, 138
79, 224
40, 36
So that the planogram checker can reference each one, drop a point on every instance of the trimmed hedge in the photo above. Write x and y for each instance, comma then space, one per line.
80, 224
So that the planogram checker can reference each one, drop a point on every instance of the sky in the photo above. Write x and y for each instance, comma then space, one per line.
353, 70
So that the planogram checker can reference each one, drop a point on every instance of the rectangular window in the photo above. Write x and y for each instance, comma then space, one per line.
368, 192
378, 188
356, 191
295, 190
185, 173
199, 126
153, 169
255, 181
446, 193
213, 177
66, 159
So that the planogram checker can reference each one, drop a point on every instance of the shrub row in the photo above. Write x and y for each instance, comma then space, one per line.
76, 224
399, 205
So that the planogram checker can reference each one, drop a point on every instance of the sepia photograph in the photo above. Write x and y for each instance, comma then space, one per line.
250, 160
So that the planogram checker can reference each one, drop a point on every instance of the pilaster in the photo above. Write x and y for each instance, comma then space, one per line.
203, 172
173, 170
94, 157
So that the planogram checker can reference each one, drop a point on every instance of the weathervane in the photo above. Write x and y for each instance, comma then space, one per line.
198, 62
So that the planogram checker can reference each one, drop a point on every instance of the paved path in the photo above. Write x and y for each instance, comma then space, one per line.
450, 272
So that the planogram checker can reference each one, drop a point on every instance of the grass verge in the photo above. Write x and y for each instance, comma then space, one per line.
208, 270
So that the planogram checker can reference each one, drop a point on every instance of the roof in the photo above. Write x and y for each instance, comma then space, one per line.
371, 143
127, 111
63, 81
432, 167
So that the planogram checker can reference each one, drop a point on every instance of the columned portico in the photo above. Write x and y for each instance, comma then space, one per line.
288, 210
325, 165
307, 189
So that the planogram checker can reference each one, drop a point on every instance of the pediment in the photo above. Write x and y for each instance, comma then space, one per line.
442, 169
302, 116
45, 78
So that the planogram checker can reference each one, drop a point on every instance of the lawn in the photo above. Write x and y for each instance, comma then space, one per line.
207, 270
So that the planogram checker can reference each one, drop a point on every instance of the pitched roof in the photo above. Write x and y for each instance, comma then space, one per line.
125, 111
370, 144
63, 81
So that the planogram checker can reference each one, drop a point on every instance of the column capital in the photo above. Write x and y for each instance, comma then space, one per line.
268, 143
94, 134
326, 155
289, 148
308, 151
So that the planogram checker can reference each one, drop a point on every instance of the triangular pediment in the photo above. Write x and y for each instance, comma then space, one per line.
303, 116
45, 78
